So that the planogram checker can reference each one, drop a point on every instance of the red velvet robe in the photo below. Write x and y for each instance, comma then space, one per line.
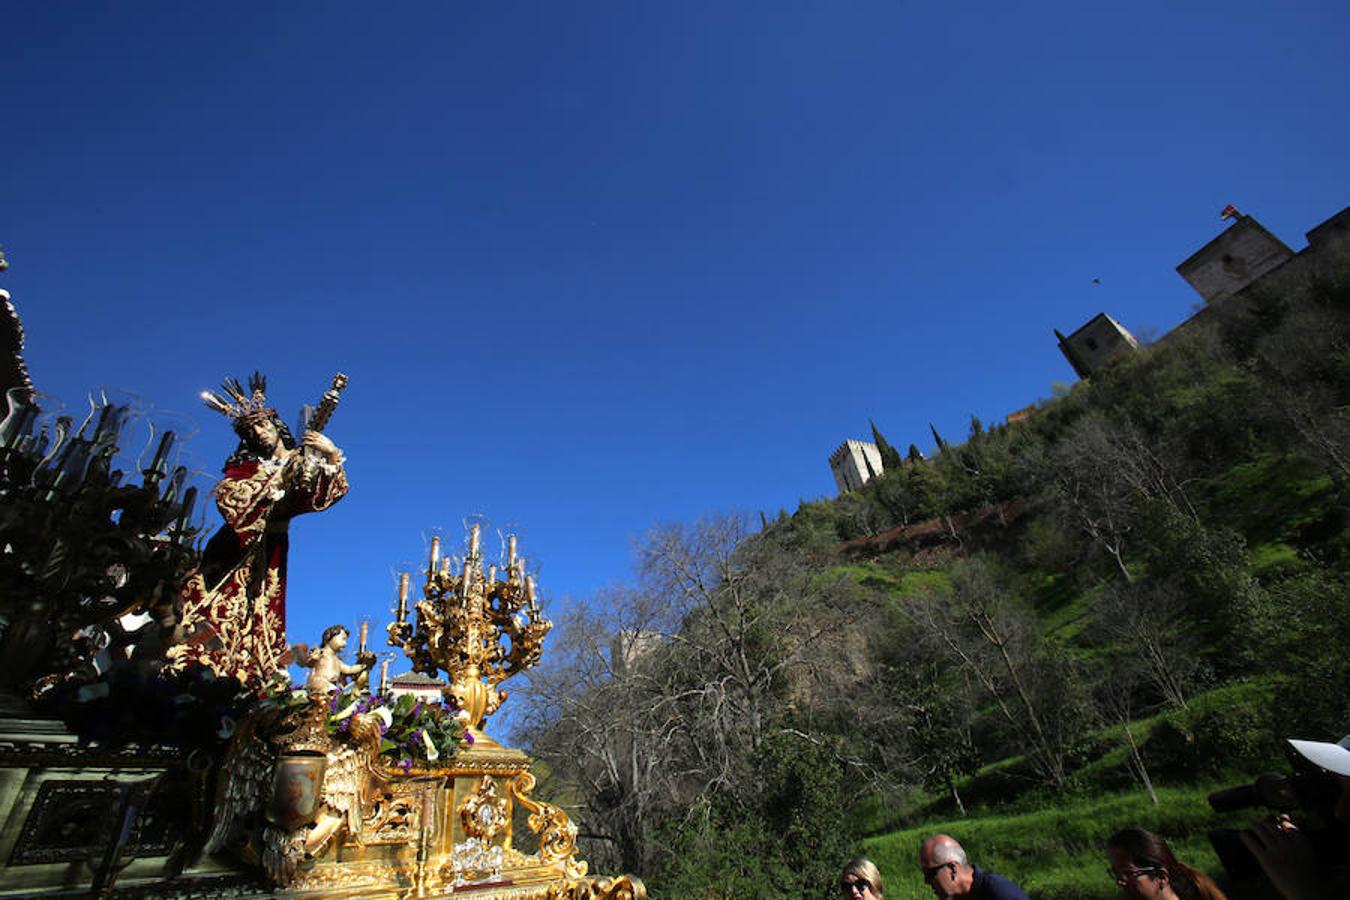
234, 606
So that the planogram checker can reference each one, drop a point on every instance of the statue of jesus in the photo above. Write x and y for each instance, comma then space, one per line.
234, 606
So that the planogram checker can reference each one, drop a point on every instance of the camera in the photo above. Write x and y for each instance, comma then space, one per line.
1312, 790
1305, 788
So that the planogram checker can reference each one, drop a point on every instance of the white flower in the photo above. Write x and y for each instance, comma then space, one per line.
350, 708
385, 715
432, 754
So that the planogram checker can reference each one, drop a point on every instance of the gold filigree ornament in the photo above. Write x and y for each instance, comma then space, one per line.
485, 814
556, 832
303, 786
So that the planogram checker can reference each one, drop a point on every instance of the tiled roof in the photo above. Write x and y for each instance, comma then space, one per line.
416, 679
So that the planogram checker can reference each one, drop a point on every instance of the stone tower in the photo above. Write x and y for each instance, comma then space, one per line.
854, 464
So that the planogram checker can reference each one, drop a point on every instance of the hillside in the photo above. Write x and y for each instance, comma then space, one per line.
1077, 622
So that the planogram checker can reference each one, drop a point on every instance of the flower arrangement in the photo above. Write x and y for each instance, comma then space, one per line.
412, 731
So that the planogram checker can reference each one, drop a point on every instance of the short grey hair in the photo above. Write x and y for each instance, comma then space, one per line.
948, 850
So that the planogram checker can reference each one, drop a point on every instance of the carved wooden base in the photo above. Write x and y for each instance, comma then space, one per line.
82, 821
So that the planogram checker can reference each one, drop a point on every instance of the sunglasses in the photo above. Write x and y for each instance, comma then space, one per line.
860, 886
1123, 877
930, 872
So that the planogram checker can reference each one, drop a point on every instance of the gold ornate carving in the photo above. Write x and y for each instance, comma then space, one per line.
279, 764
556, 832
395, 814
485, 813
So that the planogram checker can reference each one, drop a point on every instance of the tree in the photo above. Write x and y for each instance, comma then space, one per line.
1150, 620
983, 629
668, 697
890, 457
1084, 481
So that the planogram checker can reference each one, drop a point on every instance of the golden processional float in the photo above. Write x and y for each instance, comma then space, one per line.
368, 795
151, 742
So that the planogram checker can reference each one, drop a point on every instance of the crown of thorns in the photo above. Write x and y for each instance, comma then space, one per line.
237, 403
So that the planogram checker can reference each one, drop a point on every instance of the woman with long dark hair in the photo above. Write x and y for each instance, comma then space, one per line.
1144, 867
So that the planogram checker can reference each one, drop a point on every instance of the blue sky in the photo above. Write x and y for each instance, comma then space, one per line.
596, 266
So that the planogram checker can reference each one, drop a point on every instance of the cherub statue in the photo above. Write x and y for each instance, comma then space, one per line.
326, 662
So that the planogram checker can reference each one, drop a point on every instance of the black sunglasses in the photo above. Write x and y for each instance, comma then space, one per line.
930, 872
1125, 876
860, 884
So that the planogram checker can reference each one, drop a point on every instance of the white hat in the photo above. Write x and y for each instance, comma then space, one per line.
1332, 757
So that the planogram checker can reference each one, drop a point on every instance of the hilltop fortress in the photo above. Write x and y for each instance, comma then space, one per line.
1225, 270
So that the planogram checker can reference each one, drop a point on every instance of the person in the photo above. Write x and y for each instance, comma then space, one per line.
861, 880
1299, 868
1143, 866
950, 874
234, 606
326, 662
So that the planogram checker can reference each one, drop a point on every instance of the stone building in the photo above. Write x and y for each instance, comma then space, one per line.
629, 646
1095, 344
1246, 252
854, 464
1237, 257
423, 687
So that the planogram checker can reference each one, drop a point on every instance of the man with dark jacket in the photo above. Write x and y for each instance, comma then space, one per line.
951, 875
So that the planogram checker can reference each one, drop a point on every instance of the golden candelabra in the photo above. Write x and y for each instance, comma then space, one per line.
479, 627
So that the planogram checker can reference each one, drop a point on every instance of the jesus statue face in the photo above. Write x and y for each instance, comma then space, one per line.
262, 434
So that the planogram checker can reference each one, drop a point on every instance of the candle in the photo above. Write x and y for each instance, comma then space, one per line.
445, 566
435, 554
102, 423
492, 574
384, 675
510, 551
529, 589
520, 568
402, 597
189, 499
365, 631
468, 575
473, 540
157, 465
20, 422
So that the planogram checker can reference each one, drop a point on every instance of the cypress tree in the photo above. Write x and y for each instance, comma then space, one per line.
937, 438
890, 457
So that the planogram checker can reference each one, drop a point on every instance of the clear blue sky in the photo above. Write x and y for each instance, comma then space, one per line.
592, 266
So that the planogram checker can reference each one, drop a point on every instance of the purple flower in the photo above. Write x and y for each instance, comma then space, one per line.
417, 708
468, 738
406, 763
